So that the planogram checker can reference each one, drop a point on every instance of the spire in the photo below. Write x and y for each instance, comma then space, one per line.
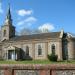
8, 20
8, 14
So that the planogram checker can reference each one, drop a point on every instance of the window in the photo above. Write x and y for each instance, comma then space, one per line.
39, 50
53, 49
27, 50
4, 32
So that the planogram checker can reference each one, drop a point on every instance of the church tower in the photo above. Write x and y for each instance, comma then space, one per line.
8, 30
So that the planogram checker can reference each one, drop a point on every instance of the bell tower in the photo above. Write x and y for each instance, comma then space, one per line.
7, 30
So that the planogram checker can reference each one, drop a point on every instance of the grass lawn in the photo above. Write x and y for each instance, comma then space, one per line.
36, 62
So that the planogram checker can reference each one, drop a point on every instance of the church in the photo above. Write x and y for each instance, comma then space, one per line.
34, 46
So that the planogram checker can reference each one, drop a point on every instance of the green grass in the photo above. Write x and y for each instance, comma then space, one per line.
36, 62
26, 62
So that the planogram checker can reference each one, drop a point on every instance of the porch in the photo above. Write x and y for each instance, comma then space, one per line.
12, 53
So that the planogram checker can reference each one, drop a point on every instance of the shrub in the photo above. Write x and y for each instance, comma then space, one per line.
52, 57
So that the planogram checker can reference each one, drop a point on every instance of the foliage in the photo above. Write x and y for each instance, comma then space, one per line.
52, 57
28, 31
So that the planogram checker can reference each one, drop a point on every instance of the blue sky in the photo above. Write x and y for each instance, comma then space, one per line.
53, 15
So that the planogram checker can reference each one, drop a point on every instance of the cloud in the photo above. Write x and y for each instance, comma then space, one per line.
46, 27
28, 20
24, 12
1, 10
31, 19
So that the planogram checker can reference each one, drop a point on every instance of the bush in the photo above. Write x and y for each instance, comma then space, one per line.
52, 57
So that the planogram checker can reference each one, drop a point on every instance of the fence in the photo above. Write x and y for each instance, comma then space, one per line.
53, 69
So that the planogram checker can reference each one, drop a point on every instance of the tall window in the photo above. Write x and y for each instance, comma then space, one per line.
27, 50
4, 33
53, 49
39, 50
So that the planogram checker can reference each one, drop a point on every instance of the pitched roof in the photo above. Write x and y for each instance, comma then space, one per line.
36, 36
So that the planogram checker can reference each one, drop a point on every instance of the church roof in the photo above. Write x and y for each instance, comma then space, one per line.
36, 36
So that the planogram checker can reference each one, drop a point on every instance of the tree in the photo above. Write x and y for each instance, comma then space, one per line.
27, 31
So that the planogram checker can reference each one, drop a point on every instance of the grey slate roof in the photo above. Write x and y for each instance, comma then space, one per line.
36, 36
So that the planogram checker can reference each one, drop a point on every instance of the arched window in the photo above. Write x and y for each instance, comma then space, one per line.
27, 50
39, 50
4, 33
53, 49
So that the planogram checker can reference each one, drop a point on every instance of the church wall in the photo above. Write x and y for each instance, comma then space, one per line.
58, 48
33, 48
46, 48
71, 50
23, 48
43, 56
7, 33
49, 47
0, 51
60, 57
12, 32
3, 52
74, 49
30, 49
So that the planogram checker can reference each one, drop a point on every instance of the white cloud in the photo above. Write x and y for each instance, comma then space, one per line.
46, 27
20, 22
24, 12
29, 21
1, 10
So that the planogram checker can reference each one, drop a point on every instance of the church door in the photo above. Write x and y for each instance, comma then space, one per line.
11, 55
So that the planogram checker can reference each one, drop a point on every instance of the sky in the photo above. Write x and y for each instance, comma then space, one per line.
53, 15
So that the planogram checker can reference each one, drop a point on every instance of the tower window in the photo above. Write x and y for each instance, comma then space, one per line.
27, 50
4, 32
53, 49
39, 50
